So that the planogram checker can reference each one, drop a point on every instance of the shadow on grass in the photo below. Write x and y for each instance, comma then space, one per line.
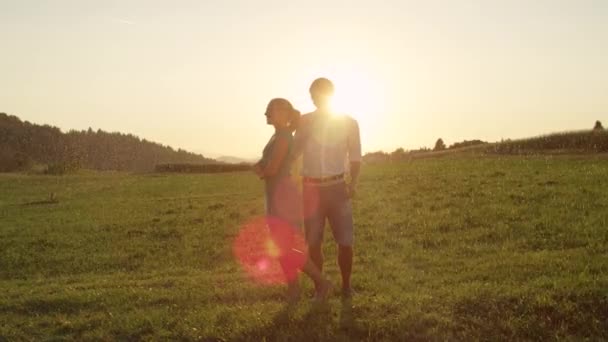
52, 199
49, 306
347, 317
318, 323
43, 202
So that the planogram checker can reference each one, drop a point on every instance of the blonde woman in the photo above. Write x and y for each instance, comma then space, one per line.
283, 202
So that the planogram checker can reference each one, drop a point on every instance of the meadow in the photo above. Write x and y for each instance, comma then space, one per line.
453, 248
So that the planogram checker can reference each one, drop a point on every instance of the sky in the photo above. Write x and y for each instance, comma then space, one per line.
198, 74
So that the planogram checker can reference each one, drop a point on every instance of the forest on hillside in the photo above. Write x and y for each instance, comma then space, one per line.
24, 145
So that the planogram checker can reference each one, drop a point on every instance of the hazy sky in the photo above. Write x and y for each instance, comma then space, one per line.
198, 74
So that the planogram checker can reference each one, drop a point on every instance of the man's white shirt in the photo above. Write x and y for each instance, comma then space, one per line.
328, 143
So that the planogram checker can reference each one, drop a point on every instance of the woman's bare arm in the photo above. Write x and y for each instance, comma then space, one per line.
279, 153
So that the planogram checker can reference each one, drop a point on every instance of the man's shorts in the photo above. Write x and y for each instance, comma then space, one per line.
327, 202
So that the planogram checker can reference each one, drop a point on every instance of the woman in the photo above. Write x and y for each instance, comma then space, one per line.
283, 203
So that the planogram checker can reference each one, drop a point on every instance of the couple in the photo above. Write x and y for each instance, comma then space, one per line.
326, 141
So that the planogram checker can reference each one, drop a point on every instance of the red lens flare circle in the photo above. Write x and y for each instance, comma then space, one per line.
270, 250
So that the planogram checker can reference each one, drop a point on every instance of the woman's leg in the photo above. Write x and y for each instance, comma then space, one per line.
285, 231
292, 262
322, 285
291, 275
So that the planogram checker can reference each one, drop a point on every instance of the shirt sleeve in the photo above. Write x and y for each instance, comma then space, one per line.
354, 142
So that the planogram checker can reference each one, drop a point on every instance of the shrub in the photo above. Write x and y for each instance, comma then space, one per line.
60, 168
439, 145
202, 168
598, 126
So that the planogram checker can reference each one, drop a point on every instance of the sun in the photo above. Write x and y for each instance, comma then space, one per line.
357, 95
363, 98
361, 92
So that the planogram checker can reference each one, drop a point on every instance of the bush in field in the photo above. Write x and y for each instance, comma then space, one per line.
60, 168
598, 126
398, 154
467, 143
374, 157
439, 145
420, 150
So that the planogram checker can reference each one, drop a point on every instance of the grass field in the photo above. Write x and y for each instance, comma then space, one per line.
473, 248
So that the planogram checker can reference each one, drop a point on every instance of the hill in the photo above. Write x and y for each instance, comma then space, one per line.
23, 145
587, 141
573, 142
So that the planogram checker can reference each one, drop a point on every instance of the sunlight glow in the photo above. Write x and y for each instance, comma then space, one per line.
357, 95
361, 95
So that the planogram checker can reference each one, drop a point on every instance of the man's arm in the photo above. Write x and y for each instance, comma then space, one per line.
354, 156
355, 169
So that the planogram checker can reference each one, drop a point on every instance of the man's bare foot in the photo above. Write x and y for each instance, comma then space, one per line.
293, 292
348, 293
324, 291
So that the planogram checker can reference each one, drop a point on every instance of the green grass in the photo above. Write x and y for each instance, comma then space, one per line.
452, 248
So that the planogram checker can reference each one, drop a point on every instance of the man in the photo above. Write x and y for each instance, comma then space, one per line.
327, 141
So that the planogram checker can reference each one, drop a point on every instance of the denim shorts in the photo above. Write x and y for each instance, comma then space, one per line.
327, 202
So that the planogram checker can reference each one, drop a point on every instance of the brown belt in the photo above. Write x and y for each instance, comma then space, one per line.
322, 179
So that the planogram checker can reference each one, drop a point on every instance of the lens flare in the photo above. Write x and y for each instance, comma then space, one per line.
270, 250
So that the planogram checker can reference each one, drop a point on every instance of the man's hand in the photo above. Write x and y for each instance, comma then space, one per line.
352, 190
355, 169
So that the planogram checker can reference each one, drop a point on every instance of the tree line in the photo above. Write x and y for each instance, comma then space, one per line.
402, 154
585, 141
24, 145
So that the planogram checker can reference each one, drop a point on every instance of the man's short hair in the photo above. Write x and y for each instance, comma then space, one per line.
322, 86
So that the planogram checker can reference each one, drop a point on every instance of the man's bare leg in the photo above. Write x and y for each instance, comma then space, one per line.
316, 255
345, 261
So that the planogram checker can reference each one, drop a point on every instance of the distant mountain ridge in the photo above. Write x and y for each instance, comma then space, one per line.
23, 144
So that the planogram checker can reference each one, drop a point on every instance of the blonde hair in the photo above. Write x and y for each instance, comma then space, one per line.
293, 116
294, 119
